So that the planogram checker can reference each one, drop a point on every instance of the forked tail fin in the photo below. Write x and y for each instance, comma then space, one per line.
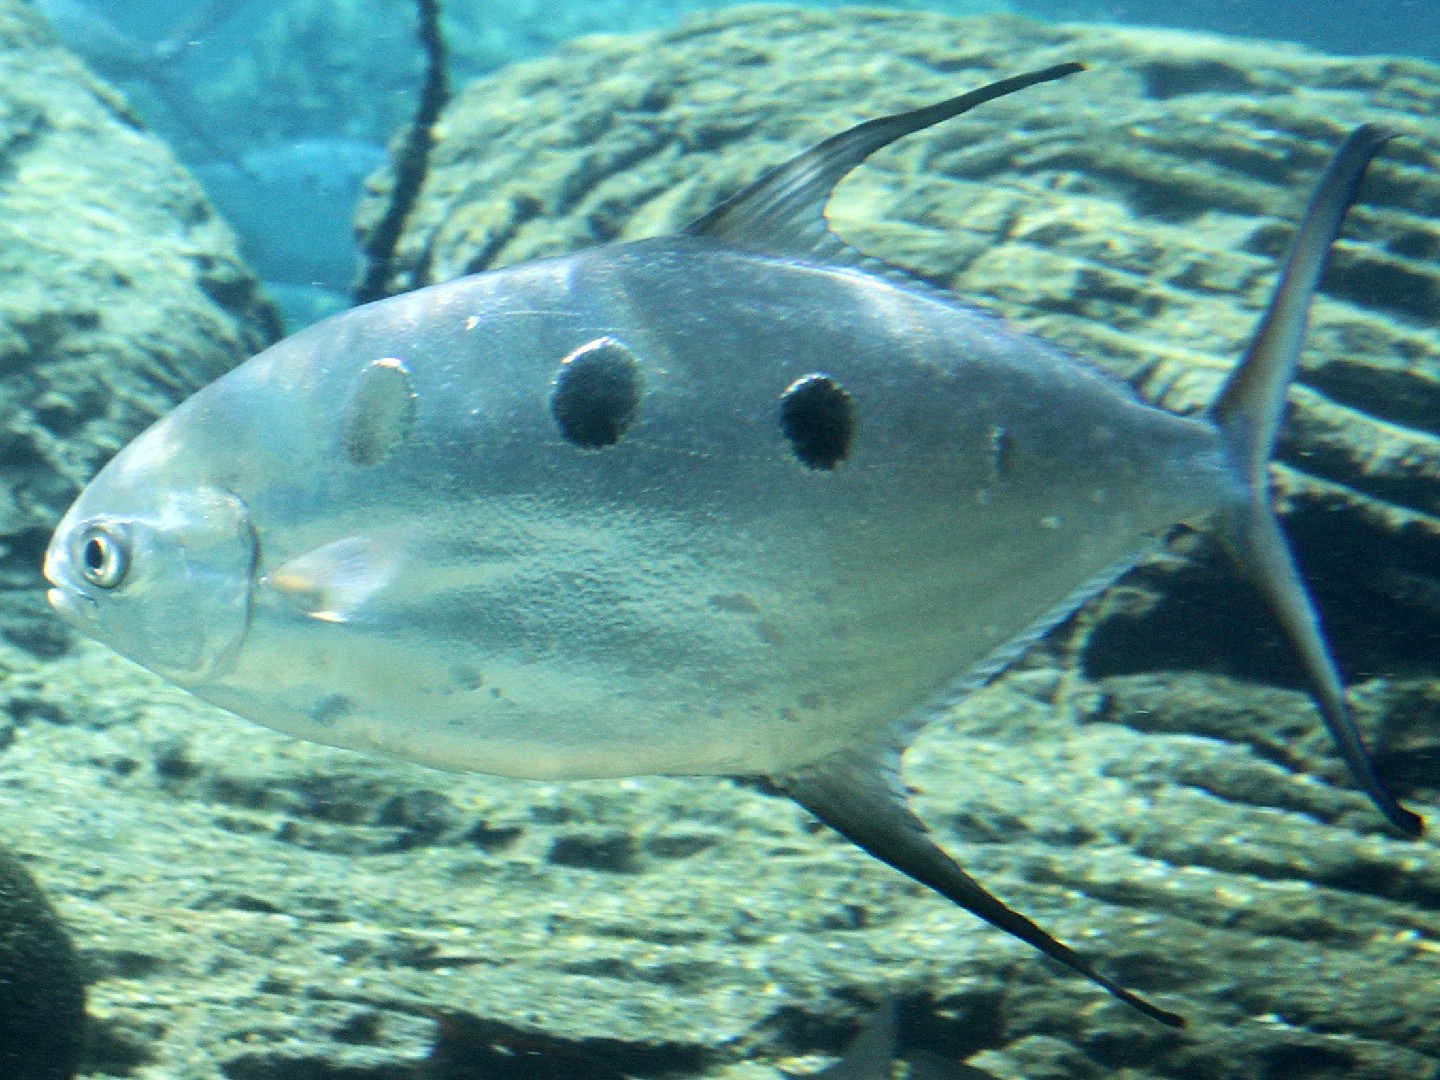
1249, 411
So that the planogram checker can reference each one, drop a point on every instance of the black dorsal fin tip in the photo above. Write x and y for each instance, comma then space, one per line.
783, 212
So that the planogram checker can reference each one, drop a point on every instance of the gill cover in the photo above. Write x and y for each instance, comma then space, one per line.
167, 585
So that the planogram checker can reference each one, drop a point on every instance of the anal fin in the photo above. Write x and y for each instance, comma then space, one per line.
858, 795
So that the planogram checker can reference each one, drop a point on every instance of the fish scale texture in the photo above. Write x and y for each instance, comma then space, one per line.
120, 294
252, 907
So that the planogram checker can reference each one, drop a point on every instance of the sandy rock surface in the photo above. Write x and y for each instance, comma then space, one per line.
1147, 784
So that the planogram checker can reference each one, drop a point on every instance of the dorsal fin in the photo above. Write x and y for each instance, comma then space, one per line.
783, 213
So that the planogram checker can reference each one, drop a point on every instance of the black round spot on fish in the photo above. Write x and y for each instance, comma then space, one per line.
597, 394
818, 417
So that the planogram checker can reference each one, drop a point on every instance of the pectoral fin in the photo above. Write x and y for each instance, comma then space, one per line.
331, 583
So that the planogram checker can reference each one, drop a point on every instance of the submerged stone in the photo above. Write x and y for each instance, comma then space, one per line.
1193, 832
42, 991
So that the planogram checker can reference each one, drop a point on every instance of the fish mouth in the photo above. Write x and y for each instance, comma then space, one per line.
71, 605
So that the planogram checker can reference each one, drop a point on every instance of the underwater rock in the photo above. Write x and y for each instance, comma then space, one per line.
279, 909
42, 992
274, 911
120, 293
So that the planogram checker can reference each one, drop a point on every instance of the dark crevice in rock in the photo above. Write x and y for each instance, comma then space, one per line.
26, 621
279, 1066
1202, 617
620, 161
26, 125
1164, 194
1239, 784
1176, 78
493, 839
1402, 396
1369, 880
1384, 284
953, 1028
1291, 1062
474, 1048
1418, 243
610, 850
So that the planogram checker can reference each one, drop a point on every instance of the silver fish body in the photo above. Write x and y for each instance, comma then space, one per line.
691, 599
739, 501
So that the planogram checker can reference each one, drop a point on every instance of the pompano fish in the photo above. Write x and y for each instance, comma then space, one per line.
738, 501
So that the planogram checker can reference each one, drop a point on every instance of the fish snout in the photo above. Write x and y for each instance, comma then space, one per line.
160, 575
65, 596
74, 607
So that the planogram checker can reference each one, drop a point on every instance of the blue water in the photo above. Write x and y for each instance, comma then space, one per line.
230, 96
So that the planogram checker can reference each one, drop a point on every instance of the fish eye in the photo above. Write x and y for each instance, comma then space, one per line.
103, 555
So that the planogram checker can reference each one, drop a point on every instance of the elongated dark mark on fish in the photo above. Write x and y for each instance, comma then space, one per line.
412, 160
1002, 448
